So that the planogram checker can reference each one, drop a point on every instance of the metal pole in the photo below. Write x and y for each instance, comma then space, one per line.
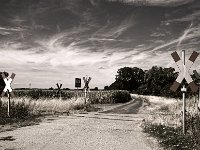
85, 95
183, 90
60, 95
77, 93
8, 104
183, 111
198, 100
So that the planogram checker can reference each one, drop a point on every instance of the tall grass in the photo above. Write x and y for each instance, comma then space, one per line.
166, 124
26, 108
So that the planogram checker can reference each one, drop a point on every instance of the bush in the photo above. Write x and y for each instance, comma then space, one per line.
121, 97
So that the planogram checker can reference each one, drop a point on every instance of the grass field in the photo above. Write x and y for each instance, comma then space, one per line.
29, 104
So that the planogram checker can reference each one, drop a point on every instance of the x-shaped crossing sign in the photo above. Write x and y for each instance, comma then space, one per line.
86, 81
8, 84
184, 71
59, 85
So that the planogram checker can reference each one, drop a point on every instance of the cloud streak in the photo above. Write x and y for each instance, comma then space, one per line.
166, 3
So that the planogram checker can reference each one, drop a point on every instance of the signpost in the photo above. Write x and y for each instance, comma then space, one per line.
59, 85
8, 89
86, 87
184, 73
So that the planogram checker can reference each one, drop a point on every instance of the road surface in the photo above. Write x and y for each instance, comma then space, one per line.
110, 130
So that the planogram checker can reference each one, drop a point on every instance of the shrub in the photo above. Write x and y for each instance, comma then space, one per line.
121, 97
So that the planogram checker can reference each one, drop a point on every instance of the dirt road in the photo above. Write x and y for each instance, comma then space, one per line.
111, 130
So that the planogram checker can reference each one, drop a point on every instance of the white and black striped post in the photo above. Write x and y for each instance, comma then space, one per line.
183, 90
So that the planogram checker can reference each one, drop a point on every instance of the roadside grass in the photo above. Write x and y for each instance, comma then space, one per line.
165, 123
26, 111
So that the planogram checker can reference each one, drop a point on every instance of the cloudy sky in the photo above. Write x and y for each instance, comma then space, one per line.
50, 41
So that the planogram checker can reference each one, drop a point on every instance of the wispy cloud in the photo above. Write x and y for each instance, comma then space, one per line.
169, 3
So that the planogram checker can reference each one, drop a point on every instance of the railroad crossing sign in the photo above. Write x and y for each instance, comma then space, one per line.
8, 85
86, 81
59, 85
86, 87
77, 82
184, 71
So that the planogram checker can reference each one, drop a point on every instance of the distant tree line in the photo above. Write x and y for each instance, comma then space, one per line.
155, 81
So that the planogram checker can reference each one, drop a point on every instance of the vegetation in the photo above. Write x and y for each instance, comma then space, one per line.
165, 123
128, 79
173, 138
94, 97
155, 81
22, 109
29, 104
19, 112
121, 96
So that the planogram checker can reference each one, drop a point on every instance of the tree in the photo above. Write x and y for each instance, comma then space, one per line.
96, 88
158, 80
155, 81
51, 88
128, 79
106, 87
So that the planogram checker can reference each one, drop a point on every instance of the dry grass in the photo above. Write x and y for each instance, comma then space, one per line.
49, 106
165, 123
166, 111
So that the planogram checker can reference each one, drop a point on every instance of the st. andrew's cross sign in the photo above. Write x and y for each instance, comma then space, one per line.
184, 71
184, 74
86, 87
59, 85
7, 85
86, 81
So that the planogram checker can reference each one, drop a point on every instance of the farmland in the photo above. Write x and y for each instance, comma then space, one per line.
93, 97
31, 104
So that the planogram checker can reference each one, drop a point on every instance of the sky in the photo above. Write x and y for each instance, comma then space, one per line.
55, 41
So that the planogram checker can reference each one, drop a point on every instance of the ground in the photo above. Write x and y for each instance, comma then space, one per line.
117, 127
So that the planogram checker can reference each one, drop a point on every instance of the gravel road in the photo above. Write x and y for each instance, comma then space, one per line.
110, 130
